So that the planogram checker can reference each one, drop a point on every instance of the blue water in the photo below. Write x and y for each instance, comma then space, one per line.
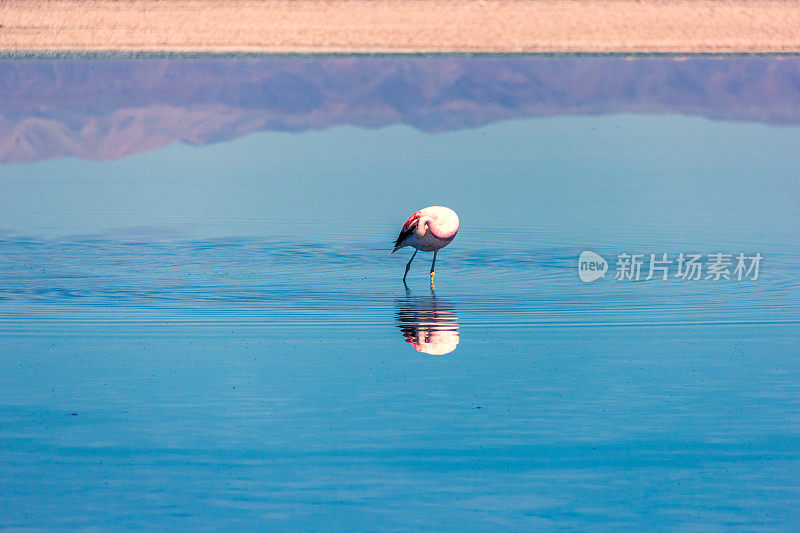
212, 335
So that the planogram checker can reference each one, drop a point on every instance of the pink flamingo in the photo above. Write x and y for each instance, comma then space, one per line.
429, 230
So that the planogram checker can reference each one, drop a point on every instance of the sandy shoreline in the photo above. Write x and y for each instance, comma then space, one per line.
402, 26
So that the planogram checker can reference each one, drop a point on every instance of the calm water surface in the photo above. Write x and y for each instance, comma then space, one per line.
200, 326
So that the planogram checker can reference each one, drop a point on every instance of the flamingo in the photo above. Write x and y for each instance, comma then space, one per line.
429, 230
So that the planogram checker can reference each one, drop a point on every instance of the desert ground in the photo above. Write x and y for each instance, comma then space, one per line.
403, 26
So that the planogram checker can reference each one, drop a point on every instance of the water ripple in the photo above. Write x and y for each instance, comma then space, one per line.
268, 282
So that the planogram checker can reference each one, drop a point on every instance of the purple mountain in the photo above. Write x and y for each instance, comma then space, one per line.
110, 108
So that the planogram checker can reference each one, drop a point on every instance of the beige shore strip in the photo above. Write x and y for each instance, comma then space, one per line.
392, 26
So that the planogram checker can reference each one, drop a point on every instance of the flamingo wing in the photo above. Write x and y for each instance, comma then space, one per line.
408, 228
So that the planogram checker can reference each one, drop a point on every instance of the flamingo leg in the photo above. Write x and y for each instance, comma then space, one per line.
433, 264
408, 266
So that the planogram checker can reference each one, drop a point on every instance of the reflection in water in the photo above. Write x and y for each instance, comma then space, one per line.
428, 323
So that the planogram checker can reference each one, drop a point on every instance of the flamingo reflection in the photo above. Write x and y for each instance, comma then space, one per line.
428, 323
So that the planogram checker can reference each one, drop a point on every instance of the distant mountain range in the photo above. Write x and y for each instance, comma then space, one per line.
111, 108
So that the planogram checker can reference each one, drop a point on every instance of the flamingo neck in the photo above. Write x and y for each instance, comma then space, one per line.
424, 226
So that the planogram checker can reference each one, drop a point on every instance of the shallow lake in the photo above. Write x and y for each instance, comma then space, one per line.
201, 327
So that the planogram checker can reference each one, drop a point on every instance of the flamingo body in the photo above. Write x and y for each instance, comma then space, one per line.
429, 229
